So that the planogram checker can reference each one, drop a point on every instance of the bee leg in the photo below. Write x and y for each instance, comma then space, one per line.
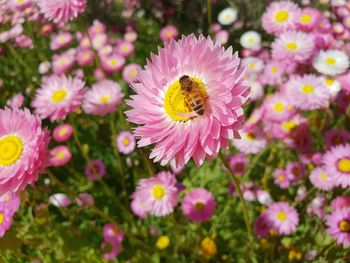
187, 115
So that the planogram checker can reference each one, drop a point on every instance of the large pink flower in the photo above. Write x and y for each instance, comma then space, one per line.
23, 149
164, 117
61, 10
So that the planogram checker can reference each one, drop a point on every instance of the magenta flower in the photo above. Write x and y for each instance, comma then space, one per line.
62, 132
95, 170
282, 178
321, 180
282, 217
238, 163
336, 137
61, 10
58, 96
198, 205
61, 40
138, 205
126, 142
23, 149
340, 202
337, 164
338, 224
84, 200
104, 97
160, 109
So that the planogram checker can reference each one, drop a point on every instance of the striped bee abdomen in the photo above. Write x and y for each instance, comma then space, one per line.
195, 102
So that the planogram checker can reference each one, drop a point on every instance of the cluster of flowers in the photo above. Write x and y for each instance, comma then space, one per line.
159, 196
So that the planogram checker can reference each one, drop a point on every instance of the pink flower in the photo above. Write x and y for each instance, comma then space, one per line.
63, 63
96, 28
84, 200
58, 96
307, 92
125, 48
61, 40
60, 200
112, 233
112, 63
317, 206
104, 97
282, 178
62, 132
340, 202
309, 19
293, 46
138, 206
126, 142
278, 107
158, 194
273, 72
23, 149
60, 156
61, 10
320, 179
130, 73
168, 33
295, 170
252, 141
198, 205
280, 16
238, 163
262, 226
338, 224
16, 101
95, 170
336, 137
85, 57
111, 250
222, 36
130, 36
8, 207
282, 217
337, 164
161, 111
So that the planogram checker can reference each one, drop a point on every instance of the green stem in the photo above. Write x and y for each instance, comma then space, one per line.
244, 205
148, 163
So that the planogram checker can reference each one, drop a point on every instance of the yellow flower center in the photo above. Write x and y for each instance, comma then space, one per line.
11, 148
274, 69
251, 65
344, 226
163, 242
133, 73
305, 19
330, 61
281, 216
105, 99
292, 46
62, 131
279, 107
60, 155
2, 218
125, 48
308, 89
323, 176
59, 96
20, 1
344, 165
61, 40
158, 191
281, 178
199, 206
126, 141
175, 104
250, 136
281, 16
113, 62
62, 62
289, 125
329, 81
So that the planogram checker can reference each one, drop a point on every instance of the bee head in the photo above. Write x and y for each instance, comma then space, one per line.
184, 79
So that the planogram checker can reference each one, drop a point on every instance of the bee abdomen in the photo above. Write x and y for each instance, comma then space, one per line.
196, 103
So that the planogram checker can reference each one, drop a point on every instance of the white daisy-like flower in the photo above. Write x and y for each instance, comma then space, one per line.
331, 62
227, 16
253, 64
250, 40
333, 86
256, 89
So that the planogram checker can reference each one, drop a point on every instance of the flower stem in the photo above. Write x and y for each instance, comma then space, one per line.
209, 15
148, 163
238, 189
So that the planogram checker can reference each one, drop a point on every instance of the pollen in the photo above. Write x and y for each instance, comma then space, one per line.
281, 216
281, 16
344, 165
158, 192
308, 89
59, 96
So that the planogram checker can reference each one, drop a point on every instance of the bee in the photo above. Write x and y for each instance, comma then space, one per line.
194, 97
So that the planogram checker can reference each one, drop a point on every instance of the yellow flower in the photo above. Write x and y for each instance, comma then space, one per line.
163, 242
208, 247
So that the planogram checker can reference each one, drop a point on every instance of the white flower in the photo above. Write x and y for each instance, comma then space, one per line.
59, 200
333, 86
250, 40
331, 62
256, 90
227, 16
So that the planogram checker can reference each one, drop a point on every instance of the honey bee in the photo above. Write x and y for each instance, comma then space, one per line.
194, 97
